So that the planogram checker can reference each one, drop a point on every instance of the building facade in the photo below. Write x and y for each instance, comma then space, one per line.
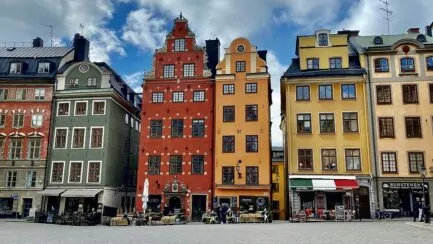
27, 78
278, 184
176, 141
400, 69
242, 129
325, 126
94, 139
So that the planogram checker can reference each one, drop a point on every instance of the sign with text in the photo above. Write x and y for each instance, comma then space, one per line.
404, 185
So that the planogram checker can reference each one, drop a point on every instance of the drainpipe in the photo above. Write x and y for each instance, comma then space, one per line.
213, 103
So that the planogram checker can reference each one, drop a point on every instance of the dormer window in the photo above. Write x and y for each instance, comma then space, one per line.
407, 65
179, 45
323, 39
313, 63
73, 82
430, 63
16, 68
44, 67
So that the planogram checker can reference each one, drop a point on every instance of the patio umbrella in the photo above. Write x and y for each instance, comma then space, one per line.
145, 196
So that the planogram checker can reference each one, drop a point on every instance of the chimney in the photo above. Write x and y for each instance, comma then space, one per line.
429, 29
413, 30
213, 54
38, 42
350, 33
262, 54
81, 46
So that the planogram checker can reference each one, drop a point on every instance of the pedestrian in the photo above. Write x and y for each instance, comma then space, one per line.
416, 209
421, 210
224, 211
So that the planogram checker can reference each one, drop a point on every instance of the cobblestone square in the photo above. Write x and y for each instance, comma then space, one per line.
323, 233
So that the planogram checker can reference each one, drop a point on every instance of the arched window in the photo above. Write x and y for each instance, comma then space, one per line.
323, 39
407, 65
381, 65
429, 63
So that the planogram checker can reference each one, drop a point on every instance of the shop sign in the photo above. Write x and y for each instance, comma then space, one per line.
15, 196
404, 185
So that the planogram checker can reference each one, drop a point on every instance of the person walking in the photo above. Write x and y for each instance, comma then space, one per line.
421, 210
416, 209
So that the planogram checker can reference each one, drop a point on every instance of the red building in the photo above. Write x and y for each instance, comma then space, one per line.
176, 138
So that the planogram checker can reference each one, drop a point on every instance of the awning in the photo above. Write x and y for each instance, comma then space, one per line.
51, 192
81, 193
346, 184
324, 185
301, 183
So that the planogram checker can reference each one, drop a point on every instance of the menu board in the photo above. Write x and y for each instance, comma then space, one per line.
339, 212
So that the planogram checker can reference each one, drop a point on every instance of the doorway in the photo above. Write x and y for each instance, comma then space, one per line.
174, 203
198, 207
27, 205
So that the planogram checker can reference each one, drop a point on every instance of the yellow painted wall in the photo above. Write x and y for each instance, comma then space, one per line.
279, 196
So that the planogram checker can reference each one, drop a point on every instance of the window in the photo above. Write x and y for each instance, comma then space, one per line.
2, 147
304, 123
39, 94
94, 172
383, 94
157, 97
251, 88
30, 179
327, 124
188, 70
73, 82
15, 148
252, 175
78, 137
381, 65
168, 71
177, 97
312, 63
91, 81
228, 175
350, 122
34, 149
61, 138
175, 164
198, 96
335, 63
305, 159
228, 144
156, 128
410, 94
325, 92
36, 120
353, 159
154, 164
416, 161
96, 137
407, 65
18, 121
348, 91
329, 159
98, 107
386, 127
228, 113
2, 120
228, 89
275, 187
20, 94
252, 143
75, 172
429, 61
251, 113
177, 128
197, 164
302, 93
323, 39
430, 87
179, 45
57, 172
44, 67
16, 68
413, 127
389, 162
240, 66
4, 94
63, 109
80, 108
198, 127
12, 179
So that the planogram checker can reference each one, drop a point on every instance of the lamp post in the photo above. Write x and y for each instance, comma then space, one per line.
422, 172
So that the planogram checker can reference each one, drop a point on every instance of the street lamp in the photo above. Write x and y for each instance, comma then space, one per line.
422, 172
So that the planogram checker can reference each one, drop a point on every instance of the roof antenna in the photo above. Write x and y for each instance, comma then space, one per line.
388, 12
82, 26
51, 32
180, 16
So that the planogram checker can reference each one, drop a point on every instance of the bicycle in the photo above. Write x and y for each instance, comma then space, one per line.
382, 215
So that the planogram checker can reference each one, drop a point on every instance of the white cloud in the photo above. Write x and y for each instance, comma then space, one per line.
135, 80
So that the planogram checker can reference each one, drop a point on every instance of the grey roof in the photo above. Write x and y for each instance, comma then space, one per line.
361, 42
31, 52
29, 69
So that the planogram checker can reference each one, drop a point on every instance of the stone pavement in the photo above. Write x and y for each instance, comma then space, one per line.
392, 232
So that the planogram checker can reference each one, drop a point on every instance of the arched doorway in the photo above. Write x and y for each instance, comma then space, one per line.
174, 203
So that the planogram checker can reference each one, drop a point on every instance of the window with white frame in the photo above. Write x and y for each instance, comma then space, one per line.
80, 108
251, 87
61, 136
188, 70
11, 178
57, 169
44, 67
126, 119
36, 120
4, 94
168, 71
179, 45
198, 96
97, 135
157, 97
75, 169
34, 149
178, 97
16, 68
98, 107
21, 94
63, 109
18, 120
228, 89
15, 148
91, 81
78, 137
94, 172
73, 82
240, 66
323, 39
30, 179
40, 94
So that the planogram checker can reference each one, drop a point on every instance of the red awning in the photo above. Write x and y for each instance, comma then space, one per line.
346, 184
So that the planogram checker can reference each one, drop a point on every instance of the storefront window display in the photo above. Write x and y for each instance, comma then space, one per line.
154, 203
6, 205
401, 196
252, 204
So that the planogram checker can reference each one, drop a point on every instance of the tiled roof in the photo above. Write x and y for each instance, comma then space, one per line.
360, 42
31, 52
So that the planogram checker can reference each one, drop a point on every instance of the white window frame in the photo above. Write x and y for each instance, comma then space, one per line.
96, 101
55, 136
13, 120
63, 172
18, 68
84, 139
90, 140
100, 171
81, 172
42, 120
177, 95
132, 122
58, 108
126, 118
179, 45
167, 71
29, 147
39, 67
42, 92
23, 92
136, 125
155, 97
91, 79
75, 108
189, 70
199, 96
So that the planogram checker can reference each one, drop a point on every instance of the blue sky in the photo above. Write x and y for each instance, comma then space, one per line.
124, 33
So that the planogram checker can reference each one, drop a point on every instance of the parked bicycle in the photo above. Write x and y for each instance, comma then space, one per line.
382, 215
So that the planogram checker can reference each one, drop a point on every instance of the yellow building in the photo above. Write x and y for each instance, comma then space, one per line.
242, 128
324, 120
278, 184
401, 90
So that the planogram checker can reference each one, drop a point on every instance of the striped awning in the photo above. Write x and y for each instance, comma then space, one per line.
324, 184
81, 193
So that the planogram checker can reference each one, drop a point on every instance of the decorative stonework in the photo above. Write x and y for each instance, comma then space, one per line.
175, 187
